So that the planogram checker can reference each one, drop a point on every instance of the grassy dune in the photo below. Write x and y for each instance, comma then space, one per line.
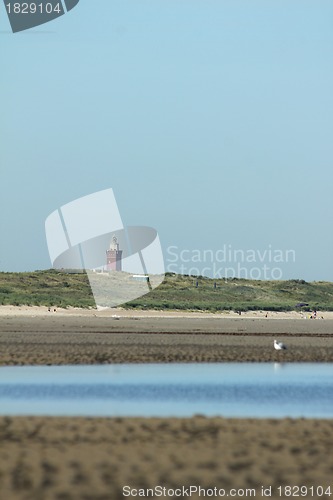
54, 288
185, 292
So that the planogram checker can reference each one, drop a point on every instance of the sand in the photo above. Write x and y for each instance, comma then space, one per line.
45, 458
35, 336
78, 458
34, 311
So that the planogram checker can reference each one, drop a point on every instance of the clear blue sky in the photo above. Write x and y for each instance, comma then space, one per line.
211, 120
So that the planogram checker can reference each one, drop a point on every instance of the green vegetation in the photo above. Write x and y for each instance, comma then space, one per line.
56, 288
46, 288
180, 292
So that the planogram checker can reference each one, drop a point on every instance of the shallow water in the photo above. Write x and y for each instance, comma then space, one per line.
223, 389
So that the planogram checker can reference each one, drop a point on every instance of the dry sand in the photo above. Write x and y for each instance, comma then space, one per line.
92, 459
33, 311
78, 458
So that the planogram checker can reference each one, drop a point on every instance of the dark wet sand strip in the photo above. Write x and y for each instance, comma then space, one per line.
89, 340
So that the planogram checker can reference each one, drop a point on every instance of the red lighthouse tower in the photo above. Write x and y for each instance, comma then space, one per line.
113, 256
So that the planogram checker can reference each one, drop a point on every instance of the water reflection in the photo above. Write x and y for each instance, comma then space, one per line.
228, 389
278, 366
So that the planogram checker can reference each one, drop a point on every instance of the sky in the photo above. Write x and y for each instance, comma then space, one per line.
211, 120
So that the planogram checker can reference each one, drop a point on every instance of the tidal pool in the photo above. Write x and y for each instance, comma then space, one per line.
178, 390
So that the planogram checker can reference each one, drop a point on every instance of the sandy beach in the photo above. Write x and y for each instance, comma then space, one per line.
69, 458
79, 458
36, 336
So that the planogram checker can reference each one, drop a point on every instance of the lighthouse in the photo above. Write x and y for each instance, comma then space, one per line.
113, 256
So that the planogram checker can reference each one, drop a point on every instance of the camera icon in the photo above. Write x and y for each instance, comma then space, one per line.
122, 263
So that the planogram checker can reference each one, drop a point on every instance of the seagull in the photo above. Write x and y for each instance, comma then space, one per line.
279, 346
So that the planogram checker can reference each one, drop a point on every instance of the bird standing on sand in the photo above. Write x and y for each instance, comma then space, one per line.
279, 346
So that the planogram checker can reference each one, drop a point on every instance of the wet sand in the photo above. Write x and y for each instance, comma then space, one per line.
78, 458
57, 338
